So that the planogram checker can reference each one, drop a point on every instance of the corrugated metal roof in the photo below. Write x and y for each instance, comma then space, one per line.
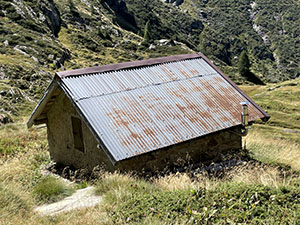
138, 110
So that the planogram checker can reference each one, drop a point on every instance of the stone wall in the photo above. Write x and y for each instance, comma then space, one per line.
61, 144
60, 138
203, 149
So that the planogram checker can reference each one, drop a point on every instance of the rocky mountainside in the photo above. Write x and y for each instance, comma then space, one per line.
38, 37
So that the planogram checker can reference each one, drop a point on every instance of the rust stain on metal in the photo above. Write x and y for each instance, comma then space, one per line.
169, 73
120, 122
185, 74
148, 131
135, 135
194, 72
141, 117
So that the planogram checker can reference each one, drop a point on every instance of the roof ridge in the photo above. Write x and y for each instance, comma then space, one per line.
150, 85
127, 65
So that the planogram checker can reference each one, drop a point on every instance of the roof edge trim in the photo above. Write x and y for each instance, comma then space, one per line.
127, 65
42, 103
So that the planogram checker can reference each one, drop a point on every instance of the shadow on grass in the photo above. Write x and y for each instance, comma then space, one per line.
251, 77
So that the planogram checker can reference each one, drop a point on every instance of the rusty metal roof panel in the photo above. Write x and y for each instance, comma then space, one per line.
134, 111
112, 82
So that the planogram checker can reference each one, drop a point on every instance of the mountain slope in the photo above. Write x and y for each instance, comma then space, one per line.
38, 37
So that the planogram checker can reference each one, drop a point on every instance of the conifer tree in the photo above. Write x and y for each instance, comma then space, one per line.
244, 64
147, 33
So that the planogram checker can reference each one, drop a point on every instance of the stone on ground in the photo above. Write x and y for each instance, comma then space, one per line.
80, 199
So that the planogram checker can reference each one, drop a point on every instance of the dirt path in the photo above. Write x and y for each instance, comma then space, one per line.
80, 199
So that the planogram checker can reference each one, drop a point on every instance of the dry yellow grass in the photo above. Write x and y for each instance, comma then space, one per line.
274, 150
184, 181
248, 173
264, 175
178, 181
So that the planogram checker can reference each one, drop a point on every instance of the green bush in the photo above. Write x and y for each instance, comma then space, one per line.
50, 189
3, 50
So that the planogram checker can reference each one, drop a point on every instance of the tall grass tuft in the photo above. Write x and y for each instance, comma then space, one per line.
51, 189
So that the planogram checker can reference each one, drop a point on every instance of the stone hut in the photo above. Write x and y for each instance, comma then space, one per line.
143, 115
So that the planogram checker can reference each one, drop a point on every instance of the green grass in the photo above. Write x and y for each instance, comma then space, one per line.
277, 141
274, 150
16, 139
247, 194
281, 101
50, 189
229, 203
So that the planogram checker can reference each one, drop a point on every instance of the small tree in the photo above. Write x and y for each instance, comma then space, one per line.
147, 33
244, 64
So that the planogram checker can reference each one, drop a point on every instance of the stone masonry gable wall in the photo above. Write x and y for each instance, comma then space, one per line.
60, 138
202, 149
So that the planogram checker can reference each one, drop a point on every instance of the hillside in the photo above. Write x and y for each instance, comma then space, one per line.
39, 37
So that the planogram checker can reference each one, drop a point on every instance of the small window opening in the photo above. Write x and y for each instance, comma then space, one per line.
77, 134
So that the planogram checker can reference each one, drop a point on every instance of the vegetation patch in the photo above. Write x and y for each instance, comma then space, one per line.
50, 189
281, 101
231, 203
13, 142
251, 193
12, 201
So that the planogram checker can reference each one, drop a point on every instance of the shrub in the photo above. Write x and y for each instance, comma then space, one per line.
3, 50
50, 189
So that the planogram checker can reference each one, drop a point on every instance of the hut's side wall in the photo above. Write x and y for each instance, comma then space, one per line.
203, 149
61, 143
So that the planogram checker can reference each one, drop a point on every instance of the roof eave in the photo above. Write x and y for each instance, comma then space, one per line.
42, 103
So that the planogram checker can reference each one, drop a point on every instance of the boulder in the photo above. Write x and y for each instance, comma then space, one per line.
51, 16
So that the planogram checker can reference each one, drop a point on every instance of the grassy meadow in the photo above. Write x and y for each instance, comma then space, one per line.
265, 190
